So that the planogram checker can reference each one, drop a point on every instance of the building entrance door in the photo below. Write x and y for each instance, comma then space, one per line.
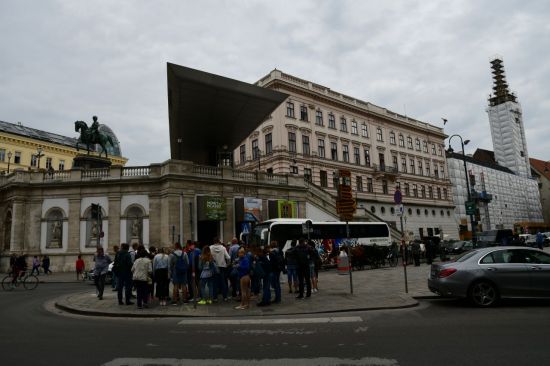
207, 231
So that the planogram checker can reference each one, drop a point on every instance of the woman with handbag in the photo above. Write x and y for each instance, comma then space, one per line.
207, 268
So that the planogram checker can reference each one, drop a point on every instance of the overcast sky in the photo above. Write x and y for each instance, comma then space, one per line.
62, 61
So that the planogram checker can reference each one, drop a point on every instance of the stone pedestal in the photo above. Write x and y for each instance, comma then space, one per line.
90, 162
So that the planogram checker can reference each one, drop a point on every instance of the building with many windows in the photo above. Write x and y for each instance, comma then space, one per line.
317, 131
22, 147
504, 200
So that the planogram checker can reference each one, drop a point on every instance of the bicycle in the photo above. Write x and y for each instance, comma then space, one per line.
29, 281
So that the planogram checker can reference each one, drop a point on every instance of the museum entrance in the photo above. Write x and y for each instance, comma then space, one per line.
207, 230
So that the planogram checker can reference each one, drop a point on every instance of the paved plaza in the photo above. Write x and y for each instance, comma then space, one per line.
381, 288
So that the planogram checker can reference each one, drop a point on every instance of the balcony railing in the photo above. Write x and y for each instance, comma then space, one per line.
96, 173
136, 171
57, 175
207, 170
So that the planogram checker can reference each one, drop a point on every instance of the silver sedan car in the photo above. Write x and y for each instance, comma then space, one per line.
487, 274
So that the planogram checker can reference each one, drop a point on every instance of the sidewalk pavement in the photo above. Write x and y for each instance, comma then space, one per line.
381, 288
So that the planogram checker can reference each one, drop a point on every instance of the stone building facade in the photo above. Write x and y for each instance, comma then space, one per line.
318, 131
155, 205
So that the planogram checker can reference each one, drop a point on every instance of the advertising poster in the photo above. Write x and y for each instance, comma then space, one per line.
215, 208
252, 209
287, 209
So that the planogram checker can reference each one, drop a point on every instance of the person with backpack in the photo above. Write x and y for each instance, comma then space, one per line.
179, 268
221, 258
161, 263
122, 268
277, 266
208, 269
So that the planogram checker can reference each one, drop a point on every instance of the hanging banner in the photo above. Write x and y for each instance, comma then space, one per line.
214, 208
252, 209
287, 209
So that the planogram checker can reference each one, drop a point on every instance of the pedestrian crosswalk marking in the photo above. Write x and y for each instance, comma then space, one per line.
263, 321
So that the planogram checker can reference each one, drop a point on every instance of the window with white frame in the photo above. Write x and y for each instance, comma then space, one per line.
392, 138
305, 145
367, 156
409, 142
291, 142
319, 117
425, 146
364, 130
242, 154
268, 144
401, 141
379, 135
307, 174
417, 144
321, 148
345, 153
331, 121
303, 113
48, 163
255, 150
343, 125
334, 151
354, 128
62, 164
359, 183
290, 109
357, 155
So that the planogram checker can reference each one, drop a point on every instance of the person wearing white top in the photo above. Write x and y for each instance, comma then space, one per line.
142, 270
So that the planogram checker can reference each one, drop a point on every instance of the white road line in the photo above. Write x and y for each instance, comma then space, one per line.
262, 321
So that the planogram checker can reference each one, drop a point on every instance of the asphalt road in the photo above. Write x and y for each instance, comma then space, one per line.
438, 332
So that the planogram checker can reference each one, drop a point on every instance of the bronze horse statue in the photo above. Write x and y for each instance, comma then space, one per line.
91, 136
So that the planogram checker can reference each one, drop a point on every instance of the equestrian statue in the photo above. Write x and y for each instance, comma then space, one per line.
91, 136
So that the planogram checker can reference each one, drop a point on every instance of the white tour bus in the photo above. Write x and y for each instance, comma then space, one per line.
284, 231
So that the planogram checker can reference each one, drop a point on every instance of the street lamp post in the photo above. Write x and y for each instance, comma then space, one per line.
39, 155
9, 160
450, 149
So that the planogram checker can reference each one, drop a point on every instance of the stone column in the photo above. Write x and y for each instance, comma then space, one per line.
19, 220
33, 229
154, 219
114, 221
74, 225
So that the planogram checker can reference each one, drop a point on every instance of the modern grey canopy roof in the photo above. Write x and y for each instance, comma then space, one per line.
208, 112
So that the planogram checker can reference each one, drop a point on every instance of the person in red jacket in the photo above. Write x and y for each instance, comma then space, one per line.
79, 267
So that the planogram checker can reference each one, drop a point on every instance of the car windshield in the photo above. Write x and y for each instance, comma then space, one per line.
465, 256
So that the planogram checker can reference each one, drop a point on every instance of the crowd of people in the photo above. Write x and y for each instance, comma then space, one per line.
208, 274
